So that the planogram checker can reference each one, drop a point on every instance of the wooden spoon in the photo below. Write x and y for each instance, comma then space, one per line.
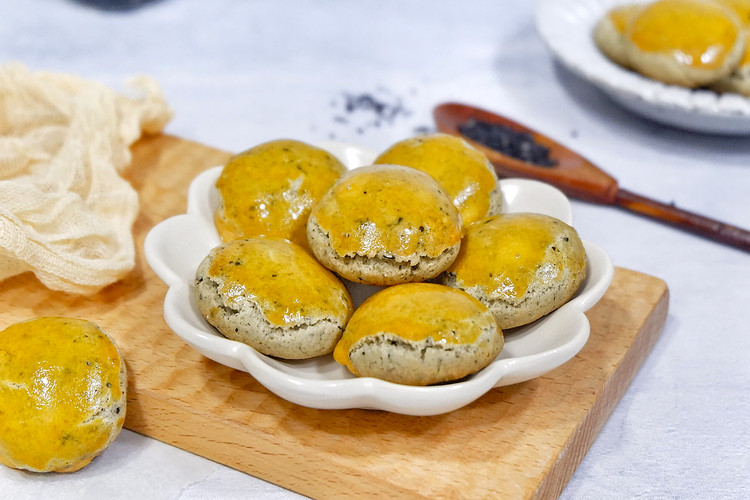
579, 178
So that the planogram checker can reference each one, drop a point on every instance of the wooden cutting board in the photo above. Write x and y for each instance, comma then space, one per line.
522, 441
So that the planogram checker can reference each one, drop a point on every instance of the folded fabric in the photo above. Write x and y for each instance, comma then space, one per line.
66, 213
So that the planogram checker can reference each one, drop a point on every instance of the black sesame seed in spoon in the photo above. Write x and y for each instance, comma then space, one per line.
519, 145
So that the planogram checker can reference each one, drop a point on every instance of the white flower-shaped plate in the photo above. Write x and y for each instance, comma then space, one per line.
175, 247
566, 26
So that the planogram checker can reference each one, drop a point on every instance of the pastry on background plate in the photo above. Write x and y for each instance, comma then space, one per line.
609, 32
522, 266
419, 334
269, 189
274, 296
691, 43
741, 8
738, 81
465, 173
385, 225
63, 386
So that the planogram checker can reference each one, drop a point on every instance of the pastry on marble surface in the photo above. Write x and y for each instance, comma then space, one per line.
419, 334
270, 188
522, 266
63, 385
464, 172
385, 225
274, 296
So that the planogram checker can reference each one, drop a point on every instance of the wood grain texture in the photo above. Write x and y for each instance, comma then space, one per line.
522, 441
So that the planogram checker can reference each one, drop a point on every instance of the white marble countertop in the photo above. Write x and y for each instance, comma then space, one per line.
239, 73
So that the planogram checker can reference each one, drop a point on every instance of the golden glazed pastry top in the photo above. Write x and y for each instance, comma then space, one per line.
463, 171
388, 209
741, 8
621, 16
56, 374
288, 284
696, 33
504, 254
270, 189
395, 310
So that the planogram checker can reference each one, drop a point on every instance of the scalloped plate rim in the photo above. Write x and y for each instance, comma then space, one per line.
296, 385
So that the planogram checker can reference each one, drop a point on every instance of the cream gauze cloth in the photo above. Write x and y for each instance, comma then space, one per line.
66, 214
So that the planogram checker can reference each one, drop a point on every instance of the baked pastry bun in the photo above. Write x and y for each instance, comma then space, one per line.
522, 266
609, 32
741, 8
384, 225
691, 43
63, 389
738, 81
419, 334
269, 190
272, 295
465, 173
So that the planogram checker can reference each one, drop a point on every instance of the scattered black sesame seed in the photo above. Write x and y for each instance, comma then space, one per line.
368, 110
363, 101
423, 130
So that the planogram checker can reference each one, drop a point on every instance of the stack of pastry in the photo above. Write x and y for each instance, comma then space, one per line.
690, 43
423, 225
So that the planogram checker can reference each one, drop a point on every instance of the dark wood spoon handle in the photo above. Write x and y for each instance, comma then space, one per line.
698, 224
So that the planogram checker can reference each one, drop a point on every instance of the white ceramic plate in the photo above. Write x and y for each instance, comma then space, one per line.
175, 247
566, 26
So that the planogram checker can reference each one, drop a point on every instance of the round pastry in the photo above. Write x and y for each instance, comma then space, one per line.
419, 334
741, 8
609, 32
62, 394
272, 295
690, 43
465, 173
384, 225
738, 81
269, 190
522, 266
